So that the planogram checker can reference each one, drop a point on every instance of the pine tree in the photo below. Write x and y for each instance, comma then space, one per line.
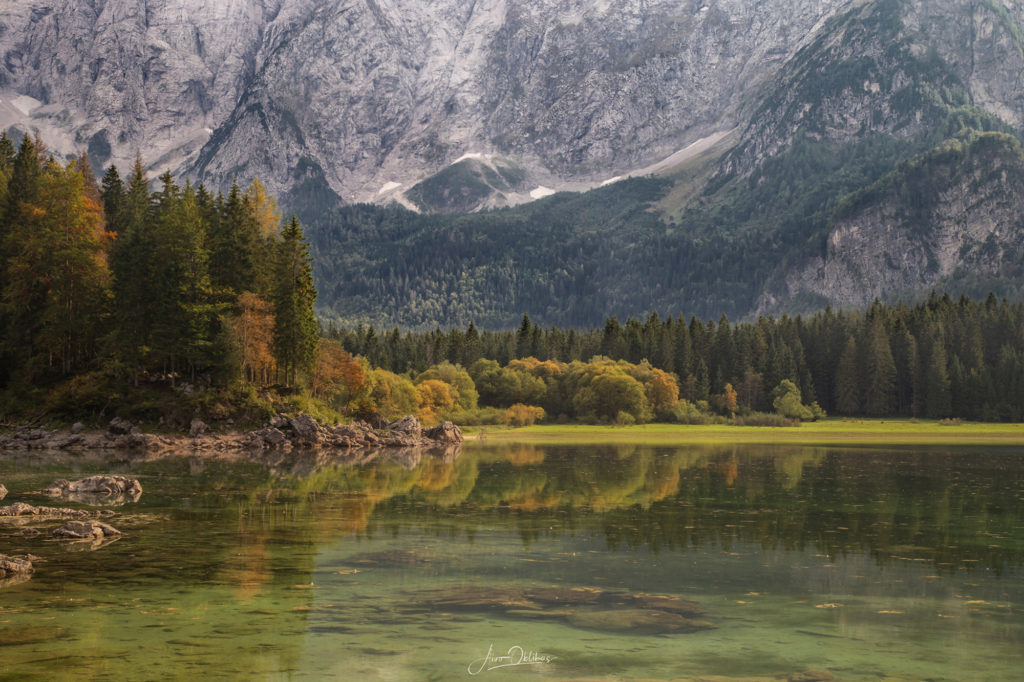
134, 286
55, 285
848, 380
937, 396
879, 373
234, 244
295, 327
112, 193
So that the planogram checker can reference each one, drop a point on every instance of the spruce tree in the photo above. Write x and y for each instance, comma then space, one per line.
848, 380
937, 396
295, 327
879, 372
131, 264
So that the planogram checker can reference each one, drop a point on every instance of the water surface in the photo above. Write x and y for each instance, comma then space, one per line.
620, 562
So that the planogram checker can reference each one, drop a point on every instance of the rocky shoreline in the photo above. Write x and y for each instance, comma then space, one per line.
281, 433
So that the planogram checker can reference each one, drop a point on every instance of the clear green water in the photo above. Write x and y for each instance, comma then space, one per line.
859, 564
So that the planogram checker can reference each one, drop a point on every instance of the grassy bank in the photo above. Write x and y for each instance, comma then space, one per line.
826, 432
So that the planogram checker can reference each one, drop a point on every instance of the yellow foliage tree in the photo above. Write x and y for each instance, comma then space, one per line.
253, 331
435, 398
264, 209
662, 390
337, 376
522, 415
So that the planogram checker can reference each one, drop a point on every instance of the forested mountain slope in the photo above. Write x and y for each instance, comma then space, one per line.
882, 160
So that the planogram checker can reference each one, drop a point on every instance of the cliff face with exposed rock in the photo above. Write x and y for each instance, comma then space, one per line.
317, 96
971, 199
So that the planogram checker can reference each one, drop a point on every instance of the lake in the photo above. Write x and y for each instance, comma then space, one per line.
530, 562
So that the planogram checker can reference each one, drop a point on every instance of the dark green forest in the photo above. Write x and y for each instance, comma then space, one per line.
109, 284
938, 359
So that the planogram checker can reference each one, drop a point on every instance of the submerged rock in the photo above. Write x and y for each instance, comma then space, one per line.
86, 530
22, 509
391, 558
589, 608
96, 489
3, 491
638, 621
12, 566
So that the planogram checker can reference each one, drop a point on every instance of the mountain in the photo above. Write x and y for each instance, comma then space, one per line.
881, 160
741, 157
328, 98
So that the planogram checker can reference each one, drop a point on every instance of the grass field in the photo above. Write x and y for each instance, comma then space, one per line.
826, 432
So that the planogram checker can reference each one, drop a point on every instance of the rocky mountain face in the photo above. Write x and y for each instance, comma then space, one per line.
918, 75
964, 218
867, 147
897, 67
358, 96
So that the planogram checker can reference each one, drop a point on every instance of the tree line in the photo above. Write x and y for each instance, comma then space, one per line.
938, 359
118, 279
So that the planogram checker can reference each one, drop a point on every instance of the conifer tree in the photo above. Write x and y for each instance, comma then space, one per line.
54, 289
879, 372
235, 246
848, 380
937, 396
132, 261
295, 327
112, 193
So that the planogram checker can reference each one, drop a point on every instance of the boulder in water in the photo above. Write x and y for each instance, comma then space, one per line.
445, 433
12, 566
86, 530
96, 489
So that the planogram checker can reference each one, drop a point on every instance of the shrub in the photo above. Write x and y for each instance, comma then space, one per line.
764, 419
685, 412
522, 415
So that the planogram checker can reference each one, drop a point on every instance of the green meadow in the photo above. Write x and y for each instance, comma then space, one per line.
825, 432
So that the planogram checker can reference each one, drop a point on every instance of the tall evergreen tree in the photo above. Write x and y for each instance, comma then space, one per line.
134, 287
295, 327
937, 396
879, 372
848, 380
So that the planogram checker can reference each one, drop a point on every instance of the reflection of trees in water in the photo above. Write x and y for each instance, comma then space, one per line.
950, 510
942, 507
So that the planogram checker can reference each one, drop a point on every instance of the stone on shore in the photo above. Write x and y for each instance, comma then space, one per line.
3, 491
407, 425
119, 427
197, 428
445, 433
